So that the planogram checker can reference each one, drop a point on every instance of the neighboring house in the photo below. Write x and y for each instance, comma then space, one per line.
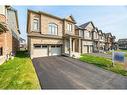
9, 31
109, 41
122, 43
95, 40
87, 38
49, 35
23, 45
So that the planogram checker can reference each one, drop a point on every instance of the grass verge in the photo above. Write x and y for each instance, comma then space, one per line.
110, 52
18, 73
104, 63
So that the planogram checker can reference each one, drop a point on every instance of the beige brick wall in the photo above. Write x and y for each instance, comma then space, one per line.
44, 21
65, 28
46, 41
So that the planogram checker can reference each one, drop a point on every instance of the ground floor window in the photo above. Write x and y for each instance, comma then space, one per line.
1, 51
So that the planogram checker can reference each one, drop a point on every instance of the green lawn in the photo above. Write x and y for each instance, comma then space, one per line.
104, 63
18, 73
110, 52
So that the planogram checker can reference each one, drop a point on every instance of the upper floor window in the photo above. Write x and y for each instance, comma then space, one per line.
53, 29
88, 34
35, 26
69, 27
81, 33
96, 35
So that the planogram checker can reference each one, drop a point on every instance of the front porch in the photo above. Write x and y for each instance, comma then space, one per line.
72, 46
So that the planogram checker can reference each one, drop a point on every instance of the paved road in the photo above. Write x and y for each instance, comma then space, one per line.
67, 73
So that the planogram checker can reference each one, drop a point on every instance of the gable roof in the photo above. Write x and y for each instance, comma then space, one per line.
114, 37
95, 29
85, 24
108, 34
100, 31
70, 18
78, 27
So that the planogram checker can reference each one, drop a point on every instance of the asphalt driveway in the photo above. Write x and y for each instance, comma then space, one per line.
67, 73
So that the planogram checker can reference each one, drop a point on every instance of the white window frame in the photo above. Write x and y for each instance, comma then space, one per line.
69, 27
38, 25
52, 29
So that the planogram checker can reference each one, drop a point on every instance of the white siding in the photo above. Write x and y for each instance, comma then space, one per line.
12, 24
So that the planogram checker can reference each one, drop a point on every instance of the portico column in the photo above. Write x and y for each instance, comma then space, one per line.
79, 46
70, 46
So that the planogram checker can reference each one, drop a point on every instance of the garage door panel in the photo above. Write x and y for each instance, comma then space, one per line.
84, 49
40, 51
55, 50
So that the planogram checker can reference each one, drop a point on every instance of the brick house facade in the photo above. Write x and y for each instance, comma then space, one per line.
9, 31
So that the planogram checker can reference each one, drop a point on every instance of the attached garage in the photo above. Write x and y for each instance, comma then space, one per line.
87, 47
46, 50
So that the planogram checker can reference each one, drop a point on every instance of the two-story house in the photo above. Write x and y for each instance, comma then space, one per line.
9, 31
122, 44
109, 41
49, 35
86, 33
95, 40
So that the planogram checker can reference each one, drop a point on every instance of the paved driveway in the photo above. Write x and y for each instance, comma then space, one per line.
67, 73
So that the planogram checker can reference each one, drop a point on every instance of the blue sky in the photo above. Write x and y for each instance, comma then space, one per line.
107, 18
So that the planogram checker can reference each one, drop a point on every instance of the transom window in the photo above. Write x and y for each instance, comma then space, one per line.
35, 26
69, 27
53, 29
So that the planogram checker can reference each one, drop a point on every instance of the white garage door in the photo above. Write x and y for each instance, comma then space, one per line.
85, 49
55, 50
40, 51
90, 49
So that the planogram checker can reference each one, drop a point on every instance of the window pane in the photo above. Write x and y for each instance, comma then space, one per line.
50, 29
36, 24
37, 46
53, 29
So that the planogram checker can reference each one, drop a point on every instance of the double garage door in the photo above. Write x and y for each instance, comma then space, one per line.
87, 49
46, 50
